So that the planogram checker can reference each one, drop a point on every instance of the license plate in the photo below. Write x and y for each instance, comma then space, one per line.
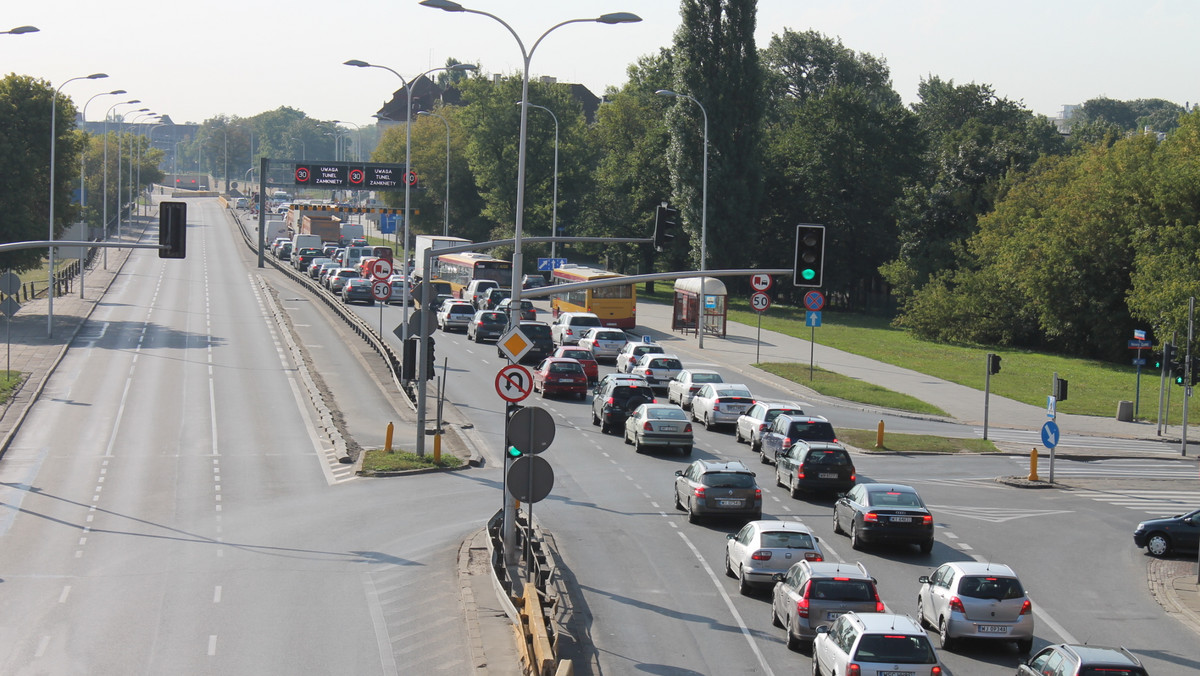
895, 673
827, 476
667, 428
831, 615
729, 503
993, 629
901, 519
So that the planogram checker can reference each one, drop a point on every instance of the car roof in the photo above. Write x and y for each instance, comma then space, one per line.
882, 488
876, 623
780, 404
836, 569
806, 418
776, 526
983, 568
1097, 655
730, 466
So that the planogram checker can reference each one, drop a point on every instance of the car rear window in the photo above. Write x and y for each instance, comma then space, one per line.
584, 321
565, 367
822, 457
624, 393
898, 648
774, 413
536, 331
733, 392
706, 377
348, 274
893, 499
665, 364
1111, 671
728, 479
666, 414
648, 349
785, 539
842, 590
610, 335
493, 318
577, 354
812, 431
998, 588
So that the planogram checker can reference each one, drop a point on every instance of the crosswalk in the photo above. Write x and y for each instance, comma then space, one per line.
1120, 468
1033, 438
1150, 502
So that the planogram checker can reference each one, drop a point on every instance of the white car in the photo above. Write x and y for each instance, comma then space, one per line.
604, 343
762, 549
684, 386
864, 639
720, 403
752, 423
455, 315
628, 357
658, 369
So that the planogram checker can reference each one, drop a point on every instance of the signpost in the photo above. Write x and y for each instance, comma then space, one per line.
381, 269
813, 302
514, 383
1138, 343
761, 302
547, 264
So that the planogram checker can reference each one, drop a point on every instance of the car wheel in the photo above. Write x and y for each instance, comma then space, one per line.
927, 547
595, 420
1025, 646
687, 450
793, 489
948, 642
707, 422
921, 621
678, 504
728, 568
625, 438
1158, 544
692, 516
638, 448
737, 434
692, 415
755, 445
775, 616
816, 665
743, 584
855, 539
762, 457
778, 481
837, 525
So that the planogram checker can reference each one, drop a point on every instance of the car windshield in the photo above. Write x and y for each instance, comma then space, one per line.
785, 539
897, 648
893, 499
833, 457
666, 414
812, 431
842, 590
728, 480
706, 377
998, 588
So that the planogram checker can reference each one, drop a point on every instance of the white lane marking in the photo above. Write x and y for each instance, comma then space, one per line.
217, 594
212, 645
42, 645
381, 633
766, 668
62, 598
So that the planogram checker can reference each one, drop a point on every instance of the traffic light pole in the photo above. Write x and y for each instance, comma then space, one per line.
1187, 376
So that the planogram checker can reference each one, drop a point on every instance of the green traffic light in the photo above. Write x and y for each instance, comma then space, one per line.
808, 274
513, 452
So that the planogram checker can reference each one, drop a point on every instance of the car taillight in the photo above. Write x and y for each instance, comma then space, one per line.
762, 426
649, 373
787, 442
871, 516
802, 607
648, 427
956, 604
800, 473
853, 670
853, 476
687, 428
1026, 607
879, 608
698, 492
813, 556
927, 520
761, 555
758, 494
610, 402
935, 671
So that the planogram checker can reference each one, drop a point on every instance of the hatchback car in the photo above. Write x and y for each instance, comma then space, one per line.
528, 312
491, 298
1162, 536
358, 291
812, 593
603, 342
661, 425
710, 488
533, 282
977, 600
815, 466
487, 325
720, 403
687, 382
584, 357
874, 644
314, 267
569, 327
787, 429
337, 279
658, 369
628, 357
1082, 660
560, 376
763, 549
455, 315
537, 333
323, 272
751, 424
883, 513
615, 400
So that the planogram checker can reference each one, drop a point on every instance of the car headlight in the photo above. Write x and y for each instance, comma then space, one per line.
1140, 527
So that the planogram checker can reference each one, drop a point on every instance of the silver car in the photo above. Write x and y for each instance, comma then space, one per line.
751, 424
604, 343
658, 425
687, 383
812, 593
658, 369
880, 644
978, 600
455, 315
721, 403
763, 549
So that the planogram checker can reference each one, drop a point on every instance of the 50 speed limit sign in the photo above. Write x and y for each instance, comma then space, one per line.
760, 301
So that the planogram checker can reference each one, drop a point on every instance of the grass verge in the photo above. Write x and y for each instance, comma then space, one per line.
9, 382
379, 460
915, 443
851, 389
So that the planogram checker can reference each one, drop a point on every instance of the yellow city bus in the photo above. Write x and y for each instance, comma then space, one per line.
460, 268
615, 305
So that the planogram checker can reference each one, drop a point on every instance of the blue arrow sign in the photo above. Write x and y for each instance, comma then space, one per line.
812, 318
1050, 434
546, 264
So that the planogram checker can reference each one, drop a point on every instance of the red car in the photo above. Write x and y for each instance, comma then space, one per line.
582, 355
560, 376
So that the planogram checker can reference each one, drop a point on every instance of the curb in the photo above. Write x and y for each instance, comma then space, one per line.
1166, 584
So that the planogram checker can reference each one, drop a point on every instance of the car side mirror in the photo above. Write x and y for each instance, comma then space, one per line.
731, 536
924, 579
678, 472
823, 629
779, 577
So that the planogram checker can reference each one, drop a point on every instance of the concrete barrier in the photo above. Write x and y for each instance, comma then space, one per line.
1125, 411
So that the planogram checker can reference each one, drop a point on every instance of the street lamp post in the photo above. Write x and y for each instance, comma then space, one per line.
20, 30
703, 213
446, 202
554, 205
150, 143
83, 171
135, 188
53, 135
408, 87
357, 138
104, 217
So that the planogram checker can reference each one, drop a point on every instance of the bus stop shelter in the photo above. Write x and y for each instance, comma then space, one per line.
699, 302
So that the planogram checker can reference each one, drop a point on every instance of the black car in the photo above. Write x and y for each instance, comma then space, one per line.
884, 513
543, 345
1082, 660
1160, 537
358, 290
815, 466
614, 401
487, 324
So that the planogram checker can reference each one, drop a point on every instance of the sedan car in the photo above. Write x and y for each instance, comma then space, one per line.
878, 643
658, 425
455, 315
628, 357
314, 267
560, 376
720, 403
978, 600
605, 343
337, 279
583, 356
815, 466
815, 593
528, 312
883, 513
487, 324
763, 549
1162, 536
751, 424
710, 488
687, 383
658, 369
358, 291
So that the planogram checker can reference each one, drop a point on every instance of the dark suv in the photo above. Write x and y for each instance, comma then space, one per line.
538, 333
710, 488
614, 400
1082, 660
788, 429
815, 466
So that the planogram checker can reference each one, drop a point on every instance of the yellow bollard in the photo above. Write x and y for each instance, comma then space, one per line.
437, 448
879, 436
388, 444
1033, 465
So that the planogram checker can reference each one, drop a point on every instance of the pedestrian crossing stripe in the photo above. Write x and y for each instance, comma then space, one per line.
993, 514
1155, 503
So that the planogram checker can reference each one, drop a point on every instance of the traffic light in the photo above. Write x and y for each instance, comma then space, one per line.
1195, 373
172, 229
1169, 355
666, 220
514, 453
809, 268
1060, 389
408, 365
993, 363
430, 362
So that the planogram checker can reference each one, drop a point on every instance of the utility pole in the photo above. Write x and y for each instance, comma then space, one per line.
1187, 375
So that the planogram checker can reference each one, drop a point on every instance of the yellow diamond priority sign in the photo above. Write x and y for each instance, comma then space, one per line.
514, 344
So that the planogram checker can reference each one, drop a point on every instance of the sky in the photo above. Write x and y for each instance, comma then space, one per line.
197, 61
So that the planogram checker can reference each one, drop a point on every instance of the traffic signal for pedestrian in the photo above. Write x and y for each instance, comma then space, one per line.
666, 220
1060, 389
172, 229
514, 453
993, 363
809, 267
408, 364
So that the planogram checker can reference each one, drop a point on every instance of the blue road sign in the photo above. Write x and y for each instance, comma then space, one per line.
387, 223
546, 264
1139, 362
812, 318
1050, 434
